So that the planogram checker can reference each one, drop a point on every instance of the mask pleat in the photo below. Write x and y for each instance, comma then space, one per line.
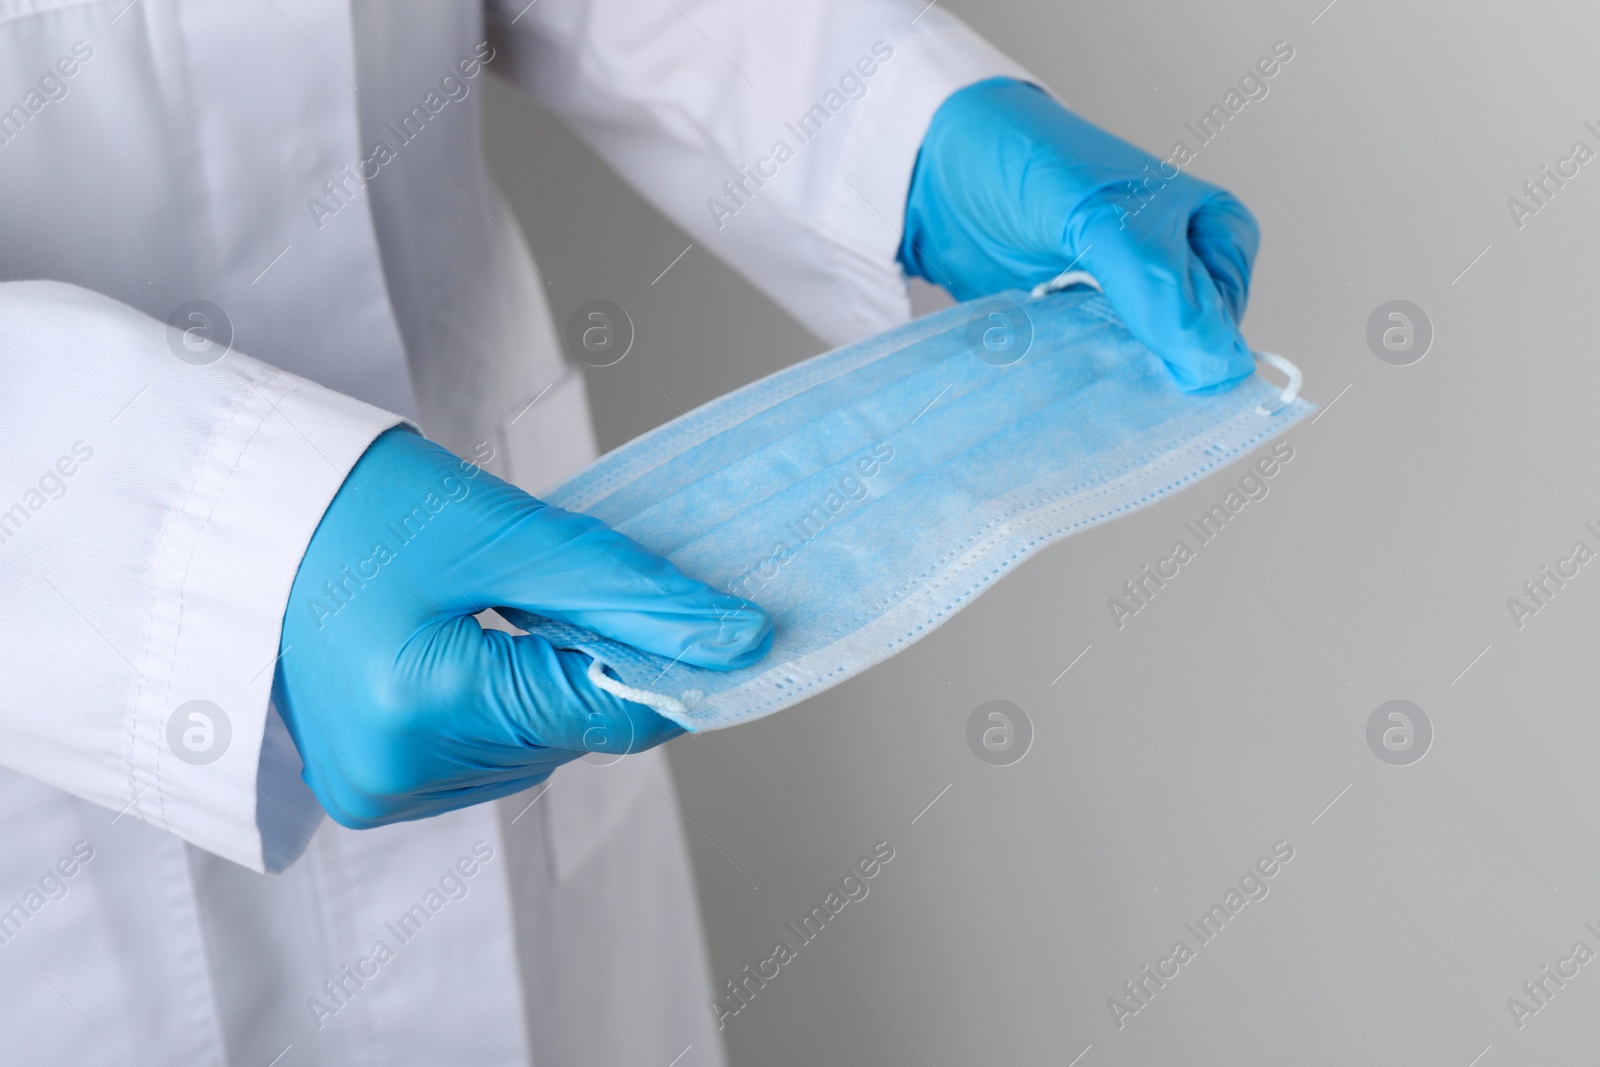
863, 496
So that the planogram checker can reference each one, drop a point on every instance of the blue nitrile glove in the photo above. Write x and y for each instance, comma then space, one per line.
1011, 188
402, 706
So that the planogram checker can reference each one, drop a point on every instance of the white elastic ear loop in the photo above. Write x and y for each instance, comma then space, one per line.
1290, 391
1066, 278
670, 706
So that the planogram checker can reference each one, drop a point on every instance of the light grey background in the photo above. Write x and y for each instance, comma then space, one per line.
1228, 714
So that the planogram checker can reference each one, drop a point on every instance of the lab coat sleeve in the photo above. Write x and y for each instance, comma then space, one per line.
781, 135
152, 515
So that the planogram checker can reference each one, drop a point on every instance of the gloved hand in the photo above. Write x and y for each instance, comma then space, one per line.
1010, 188
402, 706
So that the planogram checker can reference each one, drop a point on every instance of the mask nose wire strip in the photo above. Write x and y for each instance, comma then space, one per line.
659, 701
1290, 391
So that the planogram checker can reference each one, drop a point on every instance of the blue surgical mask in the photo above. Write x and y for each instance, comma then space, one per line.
865, 496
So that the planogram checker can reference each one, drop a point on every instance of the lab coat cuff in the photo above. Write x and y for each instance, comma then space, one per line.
940, 57
211, 762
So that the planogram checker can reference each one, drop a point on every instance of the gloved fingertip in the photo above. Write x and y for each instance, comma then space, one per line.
743, 636
1208, 374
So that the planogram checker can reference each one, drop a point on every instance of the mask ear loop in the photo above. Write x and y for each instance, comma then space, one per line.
1290, 392
661, 702
1064, 280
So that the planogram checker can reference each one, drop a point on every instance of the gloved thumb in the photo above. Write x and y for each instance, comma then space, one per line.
576, 569
1224, 235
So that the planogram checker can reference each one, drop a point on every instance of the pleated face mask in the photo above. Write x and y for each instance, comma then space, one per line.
865, 496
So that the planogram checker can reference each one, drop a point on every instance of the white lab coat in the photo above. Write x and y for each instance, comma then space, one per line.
153, 509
